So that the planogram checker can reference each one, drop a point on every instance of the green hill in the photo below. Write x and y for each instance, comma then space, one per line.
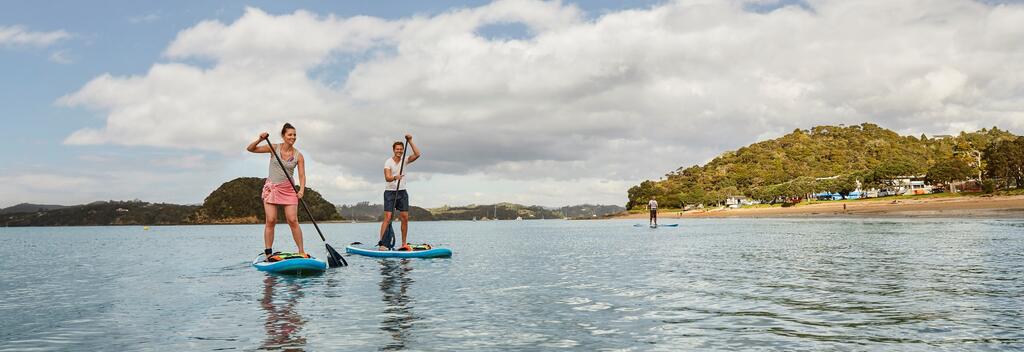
29, 208
238, 201
500, 211
364, 211
792, 164
590, 210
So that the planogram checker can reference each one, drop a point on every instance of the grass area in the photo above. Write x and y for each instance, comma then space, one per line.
914, 196
756, 206
1012, 192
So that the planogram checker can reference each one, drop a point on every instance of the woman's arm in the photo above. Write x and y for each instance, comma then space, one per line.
302, 175
255, 146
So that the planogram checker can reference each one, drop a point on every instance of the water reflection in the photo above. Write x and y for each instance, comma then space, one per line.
283, 325
394, 285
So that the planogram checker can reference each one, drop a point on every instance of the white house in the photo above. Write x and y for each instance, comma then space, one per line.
738, 201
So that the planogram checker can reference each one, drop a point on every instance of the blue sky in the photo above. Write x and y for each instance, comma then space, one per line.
583, 156
126, 38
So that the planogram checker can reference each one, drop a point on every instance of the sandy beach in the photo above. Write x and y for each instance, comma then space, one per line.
974, 207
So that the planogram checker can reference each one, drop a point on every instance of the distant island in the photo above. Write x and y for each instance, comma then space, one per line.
234, 202
238, 202
365, 211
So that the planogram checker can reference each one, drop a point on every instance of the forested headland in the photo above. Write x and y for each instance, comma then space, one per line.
839, 159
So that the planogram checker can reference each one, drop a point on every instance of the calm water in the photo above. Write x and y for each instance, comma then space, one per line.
859, 285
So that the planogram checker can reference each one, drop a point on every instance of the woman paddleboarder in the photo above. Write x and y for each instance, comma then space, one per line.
278, 190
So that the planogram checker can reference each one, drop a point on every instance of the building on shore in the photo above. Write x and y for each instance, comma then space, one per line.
734, 202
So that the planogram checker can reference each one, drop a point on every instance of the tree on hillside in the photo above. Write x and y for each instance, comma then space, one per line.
801, 187
638, 195
948, 171
693, 196
845, 184
842, 185
886, 174
965, 148
762, 194
1005, 162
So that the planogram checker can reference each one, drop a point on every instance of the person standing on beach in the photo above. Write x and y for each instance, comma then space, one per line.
395, 195
278, 191
653, 206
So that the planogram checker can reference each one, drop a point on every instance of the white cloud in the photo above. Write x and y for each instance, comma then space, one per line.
262, 42
48, 182
482, 189
107, 181
60, 57
614, 99
20, 36
336, 185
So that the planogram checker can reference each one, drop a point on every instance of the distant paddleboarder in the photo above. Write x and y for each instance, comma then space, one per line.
395, 195
278, 191
653, 206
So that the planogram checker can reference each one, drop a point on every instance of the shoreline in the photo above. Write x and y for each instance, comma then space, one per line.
996, 207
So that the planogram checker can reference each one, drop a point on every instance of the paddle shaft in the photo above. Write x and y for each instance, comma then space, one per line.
290, 181
398, 185
389, 233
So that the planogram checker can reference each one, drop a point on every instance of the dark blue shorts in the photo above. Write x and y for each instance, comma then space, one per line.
389, 200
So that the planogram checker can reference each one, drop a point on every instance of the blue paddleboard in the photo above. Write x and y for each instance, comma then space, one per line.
296, 266
373, 252
660, 225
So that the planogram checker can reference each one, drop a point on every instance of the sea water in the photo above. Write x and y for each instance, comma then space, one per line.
710, 284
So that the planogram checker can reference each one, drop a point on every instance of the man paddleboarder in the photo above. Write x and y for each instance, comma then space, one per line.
653, 206
395, 195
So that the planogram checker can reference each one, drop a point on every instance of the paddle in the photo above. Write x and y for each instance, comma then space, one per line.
334, 258
389, 234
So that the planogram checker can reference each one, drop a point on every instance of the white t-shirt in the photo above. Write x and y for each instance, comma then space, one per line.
653, 204
391, 164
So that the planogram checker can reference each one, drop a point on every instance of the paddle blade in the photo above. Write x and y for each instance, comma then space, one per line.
389, 237
334, 258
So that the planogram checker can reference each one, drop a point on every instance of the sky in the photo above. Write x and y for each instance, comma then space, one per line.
533, 102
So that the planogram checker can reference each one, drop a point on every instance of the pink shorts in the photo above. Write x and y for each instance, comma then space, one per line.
281, 193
